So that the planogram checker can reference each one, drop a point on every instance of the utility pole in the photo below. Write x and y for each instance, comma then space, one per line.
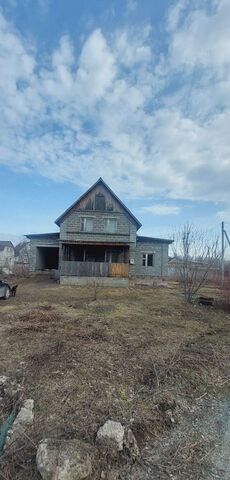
226, 235
222, 252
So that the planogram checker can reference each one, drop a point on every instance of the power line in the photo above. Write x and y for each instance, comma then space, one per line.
226, 235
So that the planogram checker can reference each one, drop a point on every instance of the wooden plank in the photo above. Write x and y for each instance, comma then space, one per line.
94, 269
119, 270
85, 269
88, 202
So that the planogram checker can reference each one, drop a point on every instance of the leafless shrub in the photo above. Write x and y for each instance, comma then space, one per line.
22, 259
21, 270
196, 256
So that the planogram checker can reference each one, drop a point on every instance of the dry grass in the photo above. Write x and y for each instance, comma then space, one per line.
130, 355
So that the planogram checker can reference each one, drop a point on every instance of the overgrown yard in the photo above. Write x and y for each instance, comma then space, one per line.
138, 355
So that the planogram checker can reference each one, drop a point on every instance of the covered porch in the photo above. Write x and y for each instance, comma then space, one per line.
94, 260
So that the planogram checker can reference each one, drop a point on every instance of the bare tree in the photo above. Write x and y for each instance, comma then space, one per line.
196, 255
22, 258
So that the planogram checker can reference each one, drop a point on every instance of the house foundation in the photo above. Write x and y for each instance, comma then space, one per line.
100, 281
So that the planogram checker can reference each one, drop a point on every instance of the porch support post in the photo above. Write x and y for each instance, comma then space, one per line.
60, 257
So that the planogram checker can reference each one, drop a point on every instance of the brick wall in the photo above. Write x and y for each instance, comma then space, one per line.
70, 227
160, 266
33, 249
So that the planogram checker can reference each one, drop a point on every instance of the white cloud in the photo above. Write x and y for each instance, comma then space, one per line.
175, 14
203, 38
132, 47
118, 110
162, 209
96, 70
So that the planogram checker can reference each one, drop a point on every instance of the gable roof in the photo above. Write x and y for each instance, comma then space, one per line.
99, 181
5, 243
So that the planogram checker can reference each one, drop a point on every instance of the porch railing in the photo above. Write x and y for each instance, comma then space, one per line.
94, 269
118, 269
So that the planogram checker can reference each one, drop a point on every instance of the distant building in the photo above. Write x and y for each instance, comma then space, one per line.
176, 265
6, 254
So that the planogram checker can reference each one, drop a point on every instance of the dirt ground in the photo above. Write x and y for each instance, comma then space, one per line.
137, 355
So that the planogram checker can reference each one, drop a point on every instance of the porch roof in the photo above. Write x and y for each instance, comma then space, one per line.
53, 235
143, 239
92, 243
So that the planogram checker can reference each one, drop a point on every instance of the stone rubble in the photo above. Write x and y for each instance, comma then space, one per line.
73, 459
119, 436
112, 432
64, 459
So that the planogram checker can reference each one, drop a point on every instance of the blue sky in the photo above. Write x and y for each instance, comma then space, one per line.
135, 91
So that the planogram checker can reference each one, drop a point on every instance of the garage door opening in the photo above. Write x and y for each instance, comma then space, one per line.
47, 258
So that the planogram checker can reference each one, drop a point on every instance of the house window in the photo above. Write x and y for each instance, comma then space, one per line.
86, 224
100, 201
110, 225
147, 259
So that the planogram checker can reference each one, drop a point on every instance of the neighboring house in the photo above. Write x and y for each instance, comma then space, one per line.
98, 238
6, 254
175, 265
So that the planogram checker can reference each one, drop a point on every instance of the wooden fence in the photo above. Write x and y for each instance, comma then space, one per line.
94, 269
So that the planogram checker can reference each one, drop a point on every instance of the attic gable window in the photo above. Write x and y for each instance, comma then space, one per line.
100, 201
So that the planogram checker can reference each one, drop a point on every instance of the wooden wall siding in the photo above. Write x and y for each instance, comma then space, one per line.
85, 269
119, 270
94, 269
88, 202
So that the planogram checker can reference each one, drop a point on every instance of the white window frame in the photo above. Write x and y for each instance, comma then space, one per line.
83, 224
145, 259
107, 220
